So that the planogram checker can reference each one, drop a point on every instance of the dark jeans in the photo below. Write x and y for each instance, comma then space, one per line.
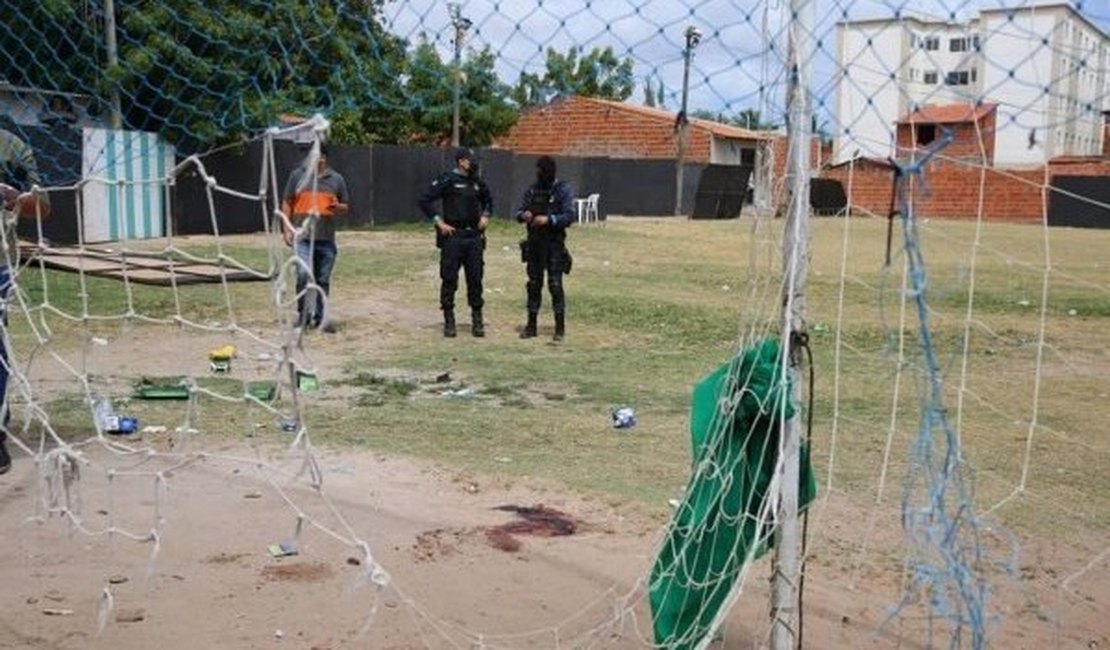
5, 286
465, 248
546, 259
319, 256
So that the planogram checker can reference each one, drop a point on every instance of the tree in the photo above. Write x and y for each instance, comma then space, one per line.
202, 73
212, 71
649, 93
597, 74
702, 114
484, 108
750, 118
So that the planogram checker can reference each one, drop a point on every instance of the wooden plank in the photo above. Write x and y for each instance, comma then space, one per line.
141, 268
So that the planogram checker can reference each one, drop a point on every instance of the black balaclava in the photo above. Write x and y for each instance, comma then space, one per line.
545, 171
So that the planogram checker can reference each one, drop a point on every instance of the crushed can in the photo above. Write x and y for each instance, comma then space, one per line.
623, 418
121, 425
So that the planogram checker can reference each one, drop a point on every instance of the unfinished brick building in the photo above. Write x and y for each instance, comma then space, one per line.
962, 181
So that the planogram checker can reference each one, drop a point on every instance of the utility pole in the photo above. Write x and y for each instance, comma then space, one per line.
461, 24
784, 589
113, 60
693, 37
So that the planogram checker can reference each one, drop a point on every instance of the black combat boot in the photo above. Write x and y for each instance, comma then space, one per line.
560, 327
477, 327
449, 324
529, 330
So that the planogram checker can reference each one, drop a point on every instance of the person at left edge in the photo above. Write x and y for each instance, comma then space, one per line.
19, 175
459, 203
314, 195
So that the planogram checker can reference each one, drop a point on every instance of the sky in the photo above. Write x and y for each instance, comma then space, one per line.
729, 71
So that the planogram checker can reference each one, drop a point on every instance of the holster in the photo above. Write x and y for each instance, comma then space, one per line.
524, 251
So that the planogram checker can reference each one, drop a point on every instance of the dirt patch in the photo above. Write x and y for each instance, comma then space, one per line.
433, 544
297, 572
225, 558
430, 538
385, 385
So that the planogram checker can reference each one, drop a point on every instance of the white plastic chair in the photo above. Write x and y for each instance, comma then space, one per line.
587, 208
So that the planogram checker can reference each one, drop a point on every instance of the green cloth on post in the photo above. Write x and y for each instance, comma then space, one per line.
718, 524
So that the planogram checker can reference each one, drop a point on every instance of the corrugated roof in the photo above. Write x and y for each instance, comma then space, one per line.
948, 114
716, 128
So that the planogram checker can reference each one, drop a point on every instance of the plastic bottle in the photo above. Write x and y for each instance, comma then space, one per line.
102, 409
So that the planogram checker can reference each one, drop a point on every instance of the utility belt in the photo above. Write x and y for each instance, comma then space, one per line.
466, 231
461, 232
532, 247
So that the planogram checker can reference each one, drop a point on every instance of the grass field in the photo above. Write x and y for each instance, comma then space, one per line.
655, 304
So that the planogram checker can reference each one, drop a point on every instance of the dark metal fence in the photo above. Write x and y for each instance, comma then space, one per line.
1083, 205
385, 182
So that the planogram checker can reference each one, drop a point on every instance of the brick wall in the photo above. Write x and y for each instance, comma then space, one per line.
579, 127
778, 146
969, 143
955, 191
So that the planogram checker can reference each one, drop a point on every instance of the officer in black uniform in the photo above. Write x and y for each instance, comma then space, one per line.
546, 209
461, 223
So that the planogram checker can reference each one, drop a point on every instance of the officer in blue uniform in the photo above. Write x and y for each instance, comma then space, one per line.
546, 209
459, 203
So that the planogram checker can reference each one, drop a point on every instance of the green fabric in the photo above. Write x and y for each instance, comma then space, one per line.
717, 527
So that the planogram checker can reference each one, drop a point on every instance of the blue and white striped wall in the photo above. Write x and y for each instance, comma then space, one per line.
125, 195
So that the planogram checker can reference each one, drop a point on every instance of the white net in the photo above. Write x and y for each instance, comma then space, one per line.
954, 327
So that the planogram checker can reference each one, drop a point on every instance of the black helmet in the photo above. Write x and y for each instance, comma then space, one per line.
464, 152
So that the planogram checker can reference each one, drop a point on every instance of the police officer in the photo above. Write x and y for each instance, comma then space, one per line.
546, 209
465, 203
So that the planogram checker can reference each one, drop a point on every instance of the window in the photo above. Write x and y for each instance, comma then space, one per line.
975, 42
956, 78
932, 43
924, 134
957, 45
931, 77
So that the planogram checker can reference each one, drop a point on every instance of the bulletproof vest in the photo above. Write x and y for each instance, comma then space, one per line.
541, 201
461, 204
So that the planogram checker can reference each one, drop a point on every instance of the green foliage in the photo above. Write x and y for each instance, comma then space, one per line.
73, 43
205, 72
597, 74
484, 108
749, 118
653, 96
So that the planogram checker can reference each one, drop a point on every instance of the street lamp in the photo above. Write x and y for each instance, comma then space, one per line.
693, 37
461, 24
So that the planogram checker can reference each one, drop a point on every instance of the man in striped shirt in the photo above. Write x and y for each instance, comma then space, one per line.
314, 195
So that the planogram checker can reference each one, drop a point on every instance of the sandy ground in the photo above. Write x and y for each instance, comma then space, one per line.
211, 582
432, 578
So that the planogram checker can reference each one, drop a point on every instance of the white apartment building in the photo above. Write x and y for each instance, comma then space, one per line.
1046, 66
